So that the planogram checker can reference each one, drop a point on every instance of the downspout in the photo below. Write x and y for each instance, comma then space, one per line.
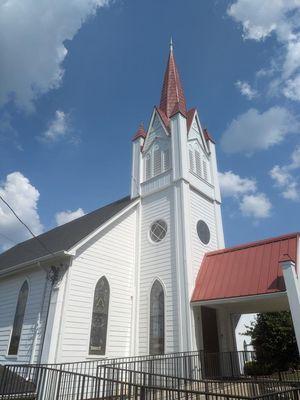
52, 276
38, 324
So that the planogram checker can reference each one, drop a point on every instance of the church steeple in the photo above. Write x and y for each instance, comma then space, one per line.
172, 98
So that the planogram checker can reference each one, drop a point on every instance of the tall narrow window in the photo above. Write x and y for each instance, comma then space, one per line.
157, 319
99, 318
18, 320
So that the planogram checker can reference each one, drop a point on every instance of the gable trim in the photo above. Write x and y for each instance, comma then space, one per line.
72, 250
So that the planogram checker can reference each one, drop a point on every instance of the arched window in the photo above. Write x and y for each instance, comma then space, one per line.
18, 320
157, 319
99, 318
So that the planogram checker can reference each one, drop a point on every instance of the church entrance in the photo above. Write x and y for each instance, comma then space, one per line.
254, 278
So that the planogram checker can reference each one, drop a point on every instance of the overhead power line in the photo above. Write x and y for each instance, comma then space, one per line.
26, 226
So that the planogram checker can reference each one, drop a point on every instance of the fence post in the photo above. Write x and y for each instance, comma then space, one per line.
58, 384
2, 381
142, 394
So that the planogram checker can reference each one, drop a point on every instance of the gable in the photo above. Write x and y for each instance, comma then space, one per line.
156, 130
195, 133
61, 238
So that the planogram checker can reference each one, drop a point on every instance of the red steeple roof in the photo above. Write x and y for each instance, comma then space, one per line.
172, 98
140, 133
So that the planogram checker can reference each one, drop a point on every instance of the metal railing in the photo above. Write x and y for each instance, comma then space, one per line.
189, 374
44, 383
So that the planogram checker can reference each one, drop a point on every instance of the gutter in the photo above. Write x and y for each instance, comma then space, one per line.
29, 263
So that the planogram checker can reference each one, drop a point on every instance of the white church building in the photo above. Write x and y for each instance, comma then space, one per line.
147, 274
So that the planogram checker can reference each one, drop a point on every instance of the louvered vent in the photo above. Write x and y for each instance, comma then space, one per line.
166, 159
205, 170
157, 162
148, 168
191, 160
198, 163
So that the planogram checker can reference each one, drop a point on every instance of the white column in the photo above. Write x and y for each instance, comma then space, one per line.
293, 293
136, 169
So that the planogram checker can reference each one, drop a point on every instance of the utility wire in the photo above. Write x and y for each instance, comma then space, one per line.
7, 238
27, 227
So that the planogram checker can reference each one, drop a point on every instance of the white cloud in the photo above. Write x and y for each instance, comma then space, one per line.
58, 127
63, 217
285, 180
23, 198
292, 88
32, 37
261, 18
244, 191
246, 89
256, 206
233, 185
258, 131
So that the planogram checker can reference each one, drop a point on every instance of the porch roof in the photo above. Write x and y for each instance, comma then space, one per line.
245, 270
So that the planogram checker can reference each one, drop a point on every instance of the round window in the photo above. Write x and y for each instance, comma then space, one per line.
203, 232
158, 230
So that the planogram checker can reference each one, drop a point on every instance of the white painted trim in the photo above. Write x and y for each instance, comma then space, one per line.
108, 321
77, 246
34, 262
156, 278
24, 279
231, 300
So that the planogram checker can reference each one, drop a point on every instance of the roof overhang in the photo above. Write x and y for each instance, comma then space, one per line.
261, 303
35, 262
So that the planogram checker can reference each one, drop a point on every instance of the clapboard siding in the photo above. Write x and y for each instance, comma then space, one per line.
30, 338
201, 208
157, 261
111, 254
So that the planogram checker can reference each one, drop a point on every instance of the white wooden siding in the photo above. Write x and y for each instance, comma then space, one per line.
29, 346
158, 261
202, 208
111, 254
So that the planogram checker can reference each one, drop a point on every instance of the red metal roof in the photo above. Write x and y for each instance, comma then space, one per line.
245, 270
140, 133
172, 96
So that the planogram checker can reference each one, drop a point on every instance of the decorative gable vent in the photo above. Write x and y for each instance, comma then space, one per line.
198, 163
156, 160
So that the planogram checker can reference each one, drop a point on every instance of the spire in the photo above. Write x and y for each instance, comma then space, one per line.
172, 98
140, 132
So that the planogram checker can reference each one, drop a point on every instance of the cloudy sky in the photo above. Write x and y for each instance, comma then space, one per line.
78, 76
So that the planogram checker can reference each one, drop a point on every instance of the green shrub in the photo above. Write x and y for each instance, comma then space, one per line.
254, 368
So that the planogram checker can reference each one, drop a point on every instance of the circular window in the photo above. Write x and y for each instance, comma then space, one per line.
203, 232
158, 230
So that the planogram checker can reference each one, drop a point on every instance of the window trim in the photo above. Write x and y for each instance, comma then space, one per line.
99, 356
202, 220
15, 356
156, 278
149, 231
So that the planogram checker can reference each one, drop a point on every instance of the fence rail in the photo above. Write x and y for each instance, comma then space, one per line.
190, 375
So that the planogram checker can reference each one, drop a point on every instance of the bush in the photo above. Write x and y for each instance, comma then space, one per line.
254, 368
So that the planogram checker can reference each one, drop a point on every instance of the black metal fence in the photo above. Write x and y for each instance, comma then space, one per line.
171, 376
44, 383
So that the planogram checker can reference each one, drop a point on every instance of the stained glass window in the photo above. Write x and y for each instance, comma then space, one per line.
157, 319
18, 320
203, 232
99, 318
158, 230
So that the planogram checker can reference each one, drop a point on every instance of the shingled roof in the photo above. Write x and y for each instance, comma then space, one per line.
61, 238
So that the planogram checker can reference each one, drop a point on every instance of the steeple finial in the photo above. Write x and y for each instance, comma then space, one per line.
172, 96
171, 43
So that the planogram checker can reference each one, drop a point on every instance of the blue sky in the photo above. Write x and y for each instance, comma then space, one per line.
77, 79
